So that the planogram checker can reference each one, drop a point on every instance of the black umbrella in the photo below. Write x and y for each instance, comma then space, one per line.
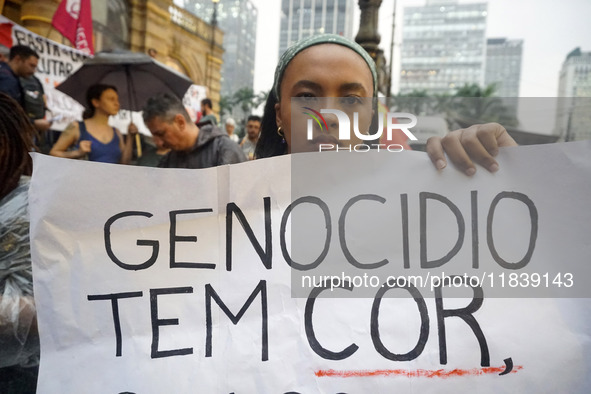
136, 76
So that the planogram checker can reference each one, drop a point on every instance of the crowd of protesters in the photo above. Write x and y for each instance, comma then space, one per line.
178, 142
321, 66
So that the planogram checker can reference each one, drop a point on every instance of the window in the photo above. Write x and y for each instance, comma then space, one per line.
111, 24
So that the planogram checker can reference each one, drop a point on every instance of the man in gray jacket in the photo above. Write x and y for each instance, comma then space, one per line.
191, 146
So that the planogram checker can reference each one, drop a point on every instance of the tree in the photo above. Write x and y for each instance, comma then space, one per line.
473, 104
245, 100
225, 105
415, 102
421, 103
470, 104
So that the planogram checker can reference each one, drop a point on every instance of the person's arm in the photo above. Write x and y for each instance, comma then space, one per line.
68, 138
127, 147
42, 125
476, 144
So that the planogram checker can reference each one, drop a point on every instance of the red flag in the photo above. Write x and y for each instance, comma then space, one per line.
74, 20
6, 34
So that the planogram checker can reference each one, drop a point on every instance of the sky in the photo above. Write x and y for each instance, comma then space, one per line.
550, 30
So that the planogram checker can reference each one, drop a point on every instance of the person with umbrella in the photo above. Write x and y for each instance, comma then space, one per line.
93, 136
137, 77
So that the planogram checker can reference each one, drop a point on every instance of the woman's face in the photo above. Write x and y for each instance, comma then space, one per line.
108, 102
323, 71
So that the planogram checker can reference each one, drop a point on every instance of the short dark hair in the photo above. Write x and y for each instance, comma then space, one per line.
255, 118
94, 92
207, 102
22, 51
165, 107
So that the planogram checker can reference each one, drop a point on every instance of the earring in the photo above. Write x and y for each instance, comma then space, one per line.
281, 134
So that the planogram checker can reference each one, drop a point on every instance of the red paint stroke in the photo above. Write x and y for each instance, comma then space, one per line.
419, 373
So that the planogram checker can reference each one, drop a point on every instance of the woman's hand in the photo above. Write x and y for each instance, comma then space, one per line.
478, 143
127, 147
84, 147
132, 129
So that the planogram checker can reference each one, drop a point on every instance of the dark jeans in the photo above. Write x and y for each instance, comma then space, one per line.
18, 380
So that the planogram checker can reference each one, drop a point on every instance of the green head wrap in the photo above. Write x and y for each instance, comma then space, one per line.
299, 46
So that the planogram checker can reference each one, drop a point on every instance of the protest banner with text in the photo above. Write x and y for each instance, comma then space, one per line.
164, 280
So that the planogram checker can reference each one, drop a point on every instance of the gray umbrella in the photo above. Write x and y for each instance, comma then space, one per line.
136, 76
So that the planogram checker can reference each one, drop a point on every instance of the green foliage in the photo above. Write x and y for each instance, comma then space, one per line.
474, 90
419, 102
244, 99
473, 104
470, 104
225, 106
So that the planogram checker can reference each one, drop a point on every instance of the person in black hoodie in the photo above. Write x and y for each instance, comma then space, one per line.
190, 146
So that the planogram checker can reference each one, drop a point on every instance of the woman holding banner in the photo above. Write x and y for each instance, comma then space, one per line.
333, 66
93, 136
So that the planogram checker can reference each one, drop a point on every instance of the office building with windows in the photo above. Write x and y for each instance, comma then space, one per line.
575, 75
238, 20
573, 117
304, 18
443, 46
503, 66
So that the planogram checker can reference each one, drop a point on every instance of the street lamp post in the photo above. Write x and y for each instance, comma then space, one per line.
210, 62
390, 66
369, 38
214, 18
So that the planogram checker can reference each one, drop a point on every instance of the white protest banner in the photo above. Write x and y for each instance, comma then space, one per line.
56, 63
158, 280
192, 100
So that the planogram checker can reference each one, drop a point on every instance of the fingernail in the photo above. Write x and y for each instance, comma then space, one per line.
440, 164
470, 171
493, 167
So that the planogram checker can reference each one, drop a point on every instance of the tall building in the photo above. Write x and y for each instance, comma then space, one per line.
443, 46
573, 117
304, 18
238, 20
503, 66
575, 75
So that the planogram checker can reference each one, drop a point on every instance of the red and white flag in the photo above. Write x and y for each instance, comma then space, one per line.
73, 19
